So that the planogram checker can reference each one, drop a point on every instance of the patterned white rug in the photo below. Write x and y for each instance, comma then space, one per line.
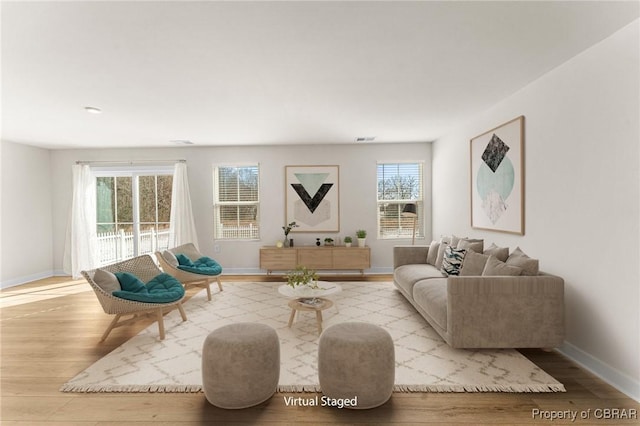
424, 362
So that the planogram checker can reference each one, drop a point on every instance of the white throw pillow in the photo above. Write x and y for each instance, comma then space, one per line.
106, 281
170, 258
433, 253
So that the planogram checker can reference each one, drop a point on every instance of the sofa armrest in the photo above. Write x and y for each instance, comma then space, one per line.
506, 312
409, 255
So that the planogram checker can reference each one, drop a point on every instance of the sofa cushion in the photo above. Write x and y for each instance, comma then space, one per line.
452, 261
521, 260
407, 275
495, 267
433, 252
431, 296
502, 253
473, 264
470, 244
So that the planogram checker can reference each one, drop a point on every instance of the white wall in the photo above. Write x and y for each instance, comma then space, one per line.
357, 192
582, 196
26, 249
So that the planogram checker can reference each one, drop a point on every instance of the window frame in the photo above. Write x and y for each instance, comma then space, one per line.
133, 172
418, 200
254, 234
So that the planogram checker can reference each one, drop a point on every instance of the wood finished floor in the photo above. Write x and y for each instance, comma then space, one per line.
50, 330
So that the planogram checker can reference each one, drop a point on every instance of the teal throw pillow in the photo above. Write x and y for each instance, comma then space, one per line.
162, 288
129, 282
183, 260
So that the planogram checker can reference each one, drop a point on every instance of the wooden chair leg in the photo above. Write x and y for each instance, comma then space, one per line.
208, 287
182, 313
160, 319
219, 283
111, 327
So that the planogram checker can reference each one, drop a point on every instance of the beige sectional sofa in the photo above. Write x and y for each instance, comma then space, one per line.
472, 310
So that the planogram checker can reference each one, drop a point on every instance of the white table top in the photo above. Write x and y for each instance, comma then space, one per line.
326, 289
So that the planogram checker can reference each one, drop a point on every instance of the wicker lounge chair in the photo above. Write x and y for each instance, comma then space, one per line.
145, 269
188, 279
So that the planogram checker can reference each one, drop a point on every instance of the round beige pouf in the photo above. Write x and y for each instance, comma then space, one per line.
356, 365
240, 365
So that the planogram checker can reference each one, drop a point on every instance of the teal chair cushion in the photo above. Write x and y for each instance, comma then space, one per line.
162, 288
205, 266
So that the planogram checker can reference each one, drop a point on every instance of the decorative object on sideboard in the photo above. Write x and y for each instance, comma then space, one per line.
288, 242
362, 237
410, 210
328, 242
497, 178
347, 241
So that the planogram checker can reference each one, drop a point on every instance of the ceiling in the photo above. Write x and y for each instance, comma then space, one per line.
252, 73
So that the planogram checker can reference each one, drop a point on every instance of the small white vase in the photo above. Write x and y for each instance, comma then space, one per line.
347, 244
362, 242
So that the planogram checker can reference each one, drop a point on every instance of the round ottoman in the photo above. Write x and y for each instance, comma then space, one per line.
240, 365
356, 363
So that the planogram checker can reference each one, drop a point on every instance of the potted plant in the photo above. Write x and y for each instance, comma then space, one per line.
328, 241
347, 241
302, 280
362, 237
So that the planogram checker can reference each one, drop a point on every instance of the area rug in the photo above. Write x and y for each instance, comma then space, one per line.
424, 362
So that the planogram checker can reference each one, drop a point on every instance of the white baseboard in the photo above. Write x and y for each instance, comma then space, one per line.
25, 279
624, 383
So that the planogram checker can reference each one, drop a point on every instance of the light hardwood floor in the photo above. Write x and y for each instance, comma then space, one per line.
50, 331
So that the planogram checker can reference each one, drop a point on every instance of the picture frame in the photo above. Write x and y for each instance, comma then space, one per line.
312, 198
497, 178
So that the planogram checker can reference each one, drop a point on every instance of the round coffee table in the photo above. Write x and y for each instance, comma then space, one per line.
311, 300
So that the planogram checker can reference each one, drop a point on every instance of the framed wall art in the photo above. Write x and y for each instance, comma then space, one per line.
312, 198
497, 178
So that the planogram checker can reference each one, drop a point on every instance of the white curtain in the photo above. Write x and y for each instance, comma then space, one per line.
182, 227
80, 244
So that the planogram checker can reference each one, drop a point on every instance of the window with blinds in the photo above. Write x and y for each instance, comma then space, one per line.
399, 184
236, 202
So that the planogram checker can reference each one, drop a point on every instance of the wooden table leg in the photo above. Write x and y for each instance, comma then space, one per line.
293, 314
319, 320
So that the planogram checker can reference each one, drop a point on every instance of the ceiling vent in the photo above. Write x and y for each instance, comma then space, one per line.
365, 139
181, 142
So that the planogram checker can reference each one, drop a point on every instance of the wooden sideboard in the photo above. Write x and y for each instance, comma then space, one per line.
330, 258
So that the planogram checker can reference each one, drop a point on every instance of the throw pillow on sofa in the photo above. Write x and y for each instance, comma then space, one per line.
440, 256
471, 244
184, 260
502, 253
452, 260
520, 259
473, 263
432, 255
163, 288
495, 267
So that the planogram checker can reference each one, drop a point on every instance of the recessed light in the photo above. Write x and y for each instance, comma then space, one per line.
93, 110
181, 142
365, 138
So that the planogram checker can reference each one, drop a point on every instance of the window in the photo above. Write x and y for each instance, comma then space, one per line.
236, 202
399, 184
133, 209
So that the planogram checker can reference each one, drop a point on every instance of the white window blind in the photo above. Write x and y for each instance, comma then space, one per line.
399, 184
236, 202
